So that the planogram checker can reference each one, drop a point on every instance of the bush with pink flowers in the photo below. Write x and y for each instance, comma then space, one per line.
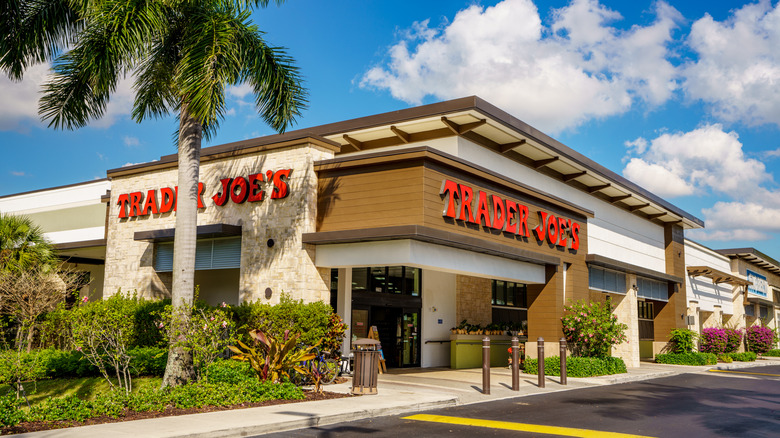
591, 329
759, 339
713, 340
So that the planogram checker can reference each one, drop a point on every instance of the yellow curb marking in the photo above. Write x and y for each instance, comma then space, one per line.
533, 428
744, 372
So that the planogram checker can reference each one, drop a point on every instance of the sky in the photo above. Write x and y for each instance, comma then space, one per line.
681, 97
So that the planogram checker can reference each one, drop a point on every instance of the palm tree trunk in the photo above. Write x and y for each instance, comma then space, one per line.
180, 369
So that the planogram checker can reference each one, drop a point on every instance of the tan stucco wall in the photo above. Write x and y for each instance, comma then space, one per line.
288, 266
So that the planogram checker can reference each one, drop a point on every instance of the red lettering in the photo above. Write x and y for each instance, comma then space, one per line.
541, 230
135, 203
280, 186
168, 199
498, 207
511, 211
450, 189
151, 203
201, 187
483, 212
243, 190
522, 223
222, 196
255, 192
563, 226
552, 236
575, 238
466, 197
122, 203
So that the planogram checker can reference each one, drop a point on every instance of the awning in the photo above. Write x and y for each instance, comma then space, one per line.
204, 232
717, 276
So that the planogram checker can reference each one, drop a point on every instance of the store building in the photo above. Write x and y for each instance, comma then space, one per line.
412, 221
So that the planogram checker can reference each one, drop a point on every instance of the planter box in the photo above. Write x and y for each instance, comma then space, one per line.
466, 350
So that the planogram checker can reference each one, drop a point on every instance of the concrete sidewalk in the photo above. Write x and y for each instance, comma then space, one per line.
400, 391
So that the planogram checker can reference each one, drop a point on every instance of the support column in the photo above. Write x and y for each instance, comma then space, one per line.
625, 308
344, 306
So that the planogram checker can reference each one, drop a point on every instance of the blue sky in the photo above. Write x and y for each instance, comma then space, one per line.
681, 97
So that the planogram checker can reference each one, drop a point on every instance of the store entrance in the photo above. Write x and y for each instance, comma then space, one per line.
399, 332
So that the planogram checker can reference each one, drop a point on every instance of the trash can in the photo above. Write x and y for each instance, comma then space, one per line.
366, 366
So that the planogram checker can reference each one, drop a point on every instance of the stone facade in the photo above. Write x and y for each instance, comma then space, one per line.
286, 266
473, 300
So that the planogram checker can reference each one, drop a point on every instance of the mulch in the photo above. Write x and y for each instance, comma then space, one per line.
34, 426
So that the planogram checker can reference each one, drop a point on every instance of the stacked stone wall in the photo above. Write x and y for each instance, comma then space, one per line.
286, 266
473, 300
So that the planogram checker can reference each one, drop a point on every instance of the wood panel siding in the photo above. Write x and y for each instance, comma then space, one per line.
669, 316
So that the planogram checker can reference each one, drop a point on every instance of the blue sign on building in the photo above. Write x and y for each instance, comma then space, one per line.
760, 286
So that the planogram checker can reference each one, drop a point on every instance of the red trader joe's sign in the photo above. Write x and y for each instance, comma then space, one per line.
251, 188
511, 217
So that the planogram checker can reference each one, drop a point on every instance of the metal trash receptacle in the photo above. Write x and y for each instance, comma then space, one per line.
366, 366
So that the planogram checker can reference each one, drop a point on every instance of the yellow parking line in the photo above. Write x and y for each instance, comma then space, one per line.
533, 428
744, 372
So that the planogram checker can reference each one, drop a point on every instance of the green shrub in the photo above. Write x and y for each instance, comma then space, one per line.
682, 341
591, 329
725, 358
692, 358
22, 365
578, 366
772, 353
146, 323
747, 356
311, 320
10, 414
229, 371
148, 361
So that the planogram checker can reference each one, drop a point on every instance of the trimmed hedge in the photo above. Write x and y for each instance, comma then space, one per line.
229, 371
52, 364
687, 358
725, 358
578, 366
747, 356
772, 353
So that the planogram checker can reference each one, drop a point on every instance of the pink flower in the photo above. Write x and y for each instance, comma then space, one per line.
78, 348
224, 324
205, 327
211, 319
590, 335
223, 304
160, 325
85, 299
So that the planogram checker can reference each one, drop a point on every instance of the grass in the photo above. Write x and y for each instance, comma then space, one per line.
84, 387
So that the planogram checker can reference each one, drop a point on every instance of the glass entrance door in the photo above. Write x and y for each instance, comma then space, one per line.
409, 322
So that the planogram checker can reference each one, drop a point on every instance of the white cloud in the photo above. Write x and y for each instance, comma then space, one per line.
738, 67
710, 161
239, 91
19, 110
131, 141
555, 78
705, 160
18, 173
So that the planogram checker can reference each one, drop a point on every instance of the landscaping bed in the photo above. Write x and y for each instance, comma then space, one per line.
128, 415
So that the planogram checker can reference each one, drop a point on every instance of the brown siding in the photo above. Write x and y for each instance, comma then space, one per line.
369, 197
668, 316
545, 307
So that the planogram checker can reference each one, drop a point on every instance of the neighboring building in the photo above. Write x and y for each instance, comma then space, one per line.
73, 218
412, 221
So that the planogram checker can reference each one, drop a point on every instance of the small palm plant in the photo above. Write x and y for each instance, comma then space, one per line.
273, 358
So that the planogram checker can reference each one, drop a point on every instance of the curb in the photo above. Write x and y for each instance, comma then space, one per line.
323, 420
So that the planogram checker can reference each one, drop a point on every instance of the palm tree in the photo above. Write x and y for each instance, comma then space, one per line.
183, 53
22, 245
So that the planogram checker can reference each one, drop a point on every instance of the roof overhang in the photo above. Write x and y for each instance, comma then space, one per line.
717, 276
752, 256
486, 125
204, 232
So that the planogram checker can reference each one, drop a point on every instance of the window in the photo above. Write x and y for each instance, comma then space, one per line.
652, 289
400, 280
646, 310
221, 253
750, 310
606, 280
510, 294
763, 312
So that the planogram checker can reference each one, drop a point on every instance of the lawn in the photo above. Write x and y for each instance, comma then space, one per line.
84, 387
